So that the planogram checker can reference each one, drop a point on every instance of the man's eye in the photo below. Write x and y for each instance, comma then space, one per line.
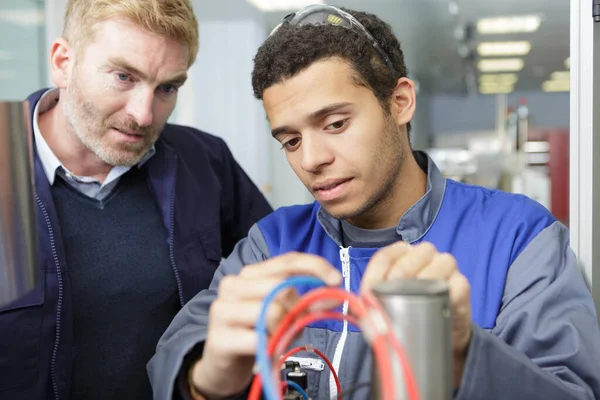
168, 89
337, 125
123, 77
290, 144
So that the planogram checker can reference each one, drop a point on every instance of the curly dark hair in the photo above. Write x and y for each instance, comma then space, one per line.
291, 49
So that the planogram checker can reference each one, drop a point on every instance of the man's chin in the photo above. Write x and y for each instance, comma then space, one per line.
121, 160
340, 212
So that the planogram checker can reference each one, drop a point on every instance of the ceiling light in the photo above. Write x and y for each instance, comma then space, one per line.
30, 17
279, 5
504, 64
560, 76
568, 63
487, 49
495, 89
524, 23
507, 79
556, 86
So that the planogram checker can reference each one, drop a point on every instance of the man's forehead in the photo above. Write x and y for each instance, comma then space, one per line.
135, 53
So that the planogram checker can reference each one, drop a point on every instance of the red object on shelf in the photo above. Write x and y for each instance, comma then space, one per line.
558, 168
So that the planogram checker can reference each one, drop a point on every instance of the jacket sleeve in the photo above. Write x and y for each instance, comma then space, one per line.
243, 203
546, 342
187, 331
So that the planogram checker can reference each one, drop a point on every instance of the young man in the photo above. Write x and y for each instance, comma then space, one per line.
336, 94
134, 214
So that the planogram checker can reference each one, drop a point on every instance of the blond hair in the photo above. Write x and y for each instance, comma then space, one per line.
171, 18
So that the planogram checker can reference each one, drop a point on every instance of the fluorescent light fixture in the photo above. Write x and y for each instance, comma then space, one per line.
515, 24
560, 76
556, 86
496, 89
506, 79
500, 65
281, 5
520, 48
568, 63
31, 17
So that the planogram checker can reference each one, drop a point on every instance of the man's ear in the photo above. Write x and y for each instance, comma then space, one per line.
62, 59
403, 101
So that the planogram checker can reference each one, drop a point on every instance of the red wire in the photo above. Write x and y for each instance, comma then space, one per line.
379, 347
283, 337
255, 389
283, 388
295, 350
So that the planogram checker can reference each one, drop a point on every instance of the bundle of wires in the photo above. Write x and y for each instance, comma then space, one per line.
364, 311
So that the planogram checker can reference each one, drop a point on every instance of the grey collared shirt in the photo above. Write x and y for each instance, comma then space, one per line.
53, 167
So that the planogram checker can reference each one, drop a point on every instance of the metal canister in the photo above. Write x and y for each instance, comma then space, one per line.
421, 317
19, 270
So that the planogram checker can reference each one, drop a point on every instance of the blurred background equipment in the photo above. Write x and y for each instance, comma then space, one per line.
19, 269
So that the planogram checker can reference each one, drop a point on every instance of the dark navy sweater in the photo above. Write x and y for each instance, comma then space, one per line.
123, 290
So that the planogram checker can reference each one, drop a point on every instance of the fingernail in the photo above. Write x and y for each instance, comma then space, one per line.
334, 278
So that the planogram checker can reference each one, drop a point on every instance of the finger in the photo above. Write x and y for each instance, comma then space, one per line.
380, 264
460, 296
410, 264
461, 311
237, 314
241, 287
232, 341
291, 264
325, 305
442, 267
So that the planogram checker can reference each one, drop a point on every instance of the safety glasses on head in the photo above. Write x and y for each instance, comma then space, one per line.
321, 14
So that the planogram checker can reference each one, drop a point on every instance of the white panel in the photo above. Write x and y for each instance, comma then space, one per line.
585, 131
218, 97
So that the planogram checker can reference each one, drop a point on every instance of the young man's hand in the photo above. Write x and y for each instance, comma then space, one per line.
230, 348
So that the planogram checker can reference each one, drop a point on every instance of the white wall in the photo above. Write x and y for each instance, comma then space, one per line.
218, 96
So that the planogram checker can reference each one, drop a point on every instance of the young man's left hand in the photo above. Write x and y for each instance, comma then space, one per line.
423, 261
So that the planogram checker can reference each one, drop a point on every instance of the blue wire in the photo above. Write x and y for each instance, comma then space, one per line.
262, 357
297, 387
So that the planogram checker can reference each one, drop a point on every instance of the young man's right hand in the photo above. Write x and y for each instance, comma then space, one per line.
230, 348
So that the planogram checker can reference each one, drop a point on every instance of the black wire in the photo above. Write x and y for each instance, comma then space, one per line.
346, 393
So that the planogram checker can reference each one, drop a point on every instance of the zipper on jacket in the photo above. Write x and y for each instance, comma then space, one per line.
60, 297
339, 349
172, 249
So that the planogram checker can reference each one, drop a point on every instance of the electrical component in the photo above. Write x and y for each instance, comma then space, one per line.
364, 312
296, 393
298, 376
323, 357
